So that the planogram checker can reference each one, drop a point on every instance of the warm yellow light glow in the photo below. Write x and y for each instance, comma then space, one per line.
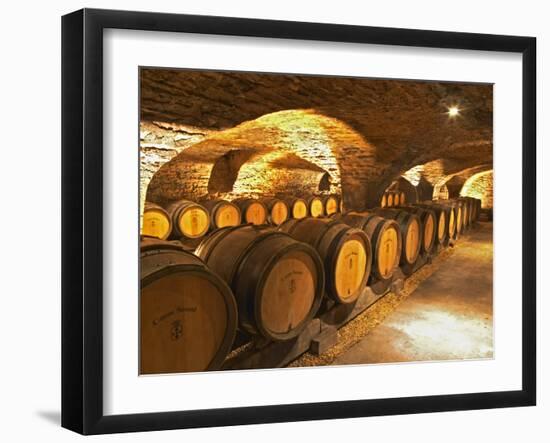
453, 111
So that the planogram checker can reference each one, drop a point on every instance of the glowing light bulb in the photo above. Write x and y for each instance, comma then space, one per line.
453, 111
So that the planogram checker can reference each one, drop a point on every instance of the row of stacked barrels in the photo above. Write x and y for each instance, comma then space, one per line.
268, 280
192, 220
392, 198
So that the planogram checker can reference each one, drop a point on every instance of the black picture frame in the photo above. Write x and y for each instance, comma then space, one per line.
82, 218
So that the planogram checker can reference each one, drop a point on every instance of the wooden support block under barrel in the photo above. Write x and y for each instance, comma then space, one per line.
324, 341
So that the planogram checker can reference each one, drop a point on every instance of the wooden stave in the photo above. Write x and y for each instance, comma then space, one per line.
213, 206
152, 206
175, 209
374, 225
404, 220
234, 270
244, 203
161, 258
329, 248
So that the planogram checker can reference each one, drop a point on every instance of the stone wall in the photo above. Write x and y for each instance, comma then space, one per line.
480, 186
232, 134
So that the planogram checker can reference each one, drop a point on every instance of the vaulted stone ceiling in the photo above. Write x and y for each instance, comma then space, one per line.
365, 133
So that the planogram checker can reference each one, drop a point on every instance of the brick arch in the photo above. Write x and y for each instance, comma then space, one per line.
225, 170
454, 181
480, 185
404, 185
299, 150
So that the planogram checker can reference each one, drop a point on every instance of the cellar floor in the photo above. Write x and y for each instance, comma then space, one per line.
448, 316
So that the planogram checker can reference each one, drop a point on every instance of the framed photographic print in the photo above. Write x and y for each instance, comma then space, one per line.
269, 221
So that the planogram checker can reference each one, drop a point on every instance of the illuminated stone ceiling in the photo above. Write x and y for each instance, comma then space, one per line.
363, 133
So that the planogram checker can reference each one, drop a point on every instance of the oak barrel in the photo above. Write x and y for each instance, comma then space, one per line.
389, 199
156, 222
411, 233
189, 219
278, 282
253, 211
430, 226
446, 226
396, 199
277, 210
385, 240
455, 221
188, 315
331, 204
222, 213
384, 201
345, 251
297, 206
402, 198
469, 210
316, 207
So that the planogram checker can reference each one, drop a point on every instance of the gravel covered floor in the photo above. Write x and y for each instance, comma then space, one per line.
444, 312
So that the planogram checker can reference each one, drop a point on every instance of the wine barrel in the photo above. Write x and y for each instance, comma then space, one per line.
402, 198
457, 216
389, 199
476, 203
409, 224
450, 216
345, 251
253, 211
384, 201
223, 213
396, 199
430, 226
188, 315
331, 204
385, 239
297, 206
277, 210
190, 220
465, 212
442, 216
278, 282
156, 222
316, 207
468, 209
